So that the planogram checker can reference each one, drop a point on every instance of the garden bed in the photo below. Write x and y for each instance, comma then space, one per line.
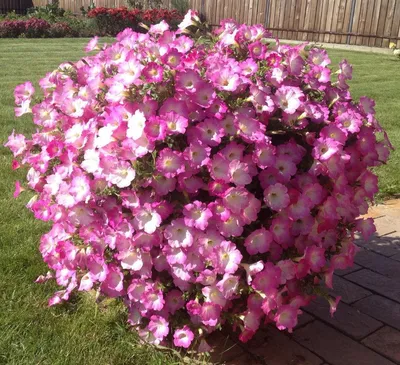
51, 21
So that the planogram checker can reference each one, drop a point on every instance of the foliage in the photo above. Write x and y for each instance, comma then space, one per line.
214, 183
182, 6
61, 30
12, 15
396, 51
111, 21
85, 11
82, 27
144, 4
49, 12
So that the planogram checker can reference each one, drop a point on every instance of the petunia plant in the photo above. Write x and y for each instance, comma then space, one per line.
201, 181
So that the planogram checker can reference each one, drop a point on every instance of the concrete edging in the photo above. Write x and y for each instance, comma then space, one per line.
345, 47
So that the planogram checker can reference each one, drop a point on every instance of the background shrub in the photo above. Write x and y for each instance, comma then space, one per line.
30, 28
36, 28
61, 30
111, 21
82, 27
12, 28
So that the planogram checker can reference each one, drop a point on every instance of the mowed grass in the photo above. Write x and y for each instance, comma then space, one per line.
81, 332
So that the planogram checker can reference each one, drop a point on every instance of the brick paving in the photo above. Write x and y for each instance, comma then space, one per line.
366, 327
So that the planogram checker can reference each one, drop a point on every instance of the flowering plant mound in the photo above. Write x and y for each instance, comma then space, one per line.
202, 183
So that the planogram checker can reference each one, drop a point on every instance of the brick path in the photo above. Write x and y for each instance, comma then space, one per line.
366, 327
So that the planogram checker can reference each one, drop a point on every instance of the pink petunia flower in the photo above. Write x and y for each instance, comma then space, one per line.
267, 280
170, 163
286, 317
276, 196
92, 45
227, 258
197, 215
258, 241
288, 98
147, 219
153, 72
210, 314
183, 337
159, 327
18, 189
178, 234
325, 148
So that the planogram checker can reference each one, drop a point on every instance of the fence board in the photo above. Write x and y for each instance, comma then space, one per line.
374, 21
335, 20
362, 21
291, 15
329, 15
285, 18
368, 21
389, 22
317, 24
396, 22
296, 25
262, 9
278, 4
256, 12
313, 22
381, 21
302, 18
340, 19
398, 35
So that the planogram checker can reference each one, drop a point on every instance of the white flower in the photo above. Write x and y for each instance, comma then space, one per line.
136, 125
104, 136
91, 161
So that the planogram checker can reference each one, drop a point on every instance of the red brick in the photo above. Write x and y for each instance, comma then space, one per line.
347, 319
378, 263
244, 359
349, 291
380, 308
303, 319
386, 246
277, 348
385, 341
335, 347
224, 349
343, 272
395, 257
375, 282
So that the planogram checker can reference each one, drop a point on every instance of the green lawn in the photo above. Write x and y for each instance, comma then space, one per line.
81, 333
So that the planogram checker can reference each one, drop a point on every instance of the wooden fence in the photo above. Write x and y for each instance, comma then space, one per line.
361, 22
